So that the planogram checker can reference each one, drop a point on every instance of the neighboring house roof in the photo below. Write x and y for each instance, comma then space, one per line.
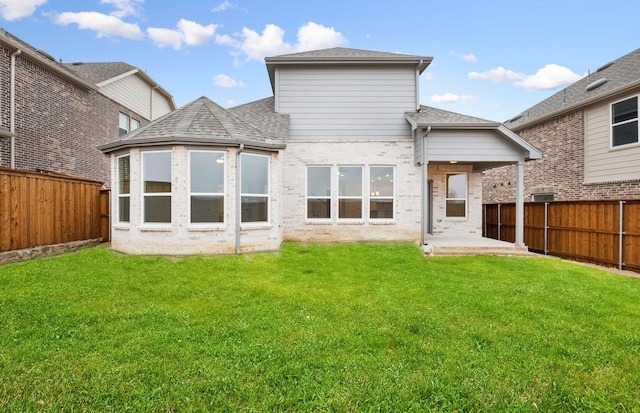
432, 118
263, 116
42, 58
341, 55
201, 122
610, 79
104, 73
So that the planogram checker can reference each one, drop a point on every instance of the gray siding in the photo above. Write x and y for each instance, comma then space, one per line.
470, 146
133, 92
347, 102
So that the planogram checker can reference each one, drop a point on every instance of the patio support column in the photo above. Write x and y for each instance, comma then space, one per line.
520, 204
425, 201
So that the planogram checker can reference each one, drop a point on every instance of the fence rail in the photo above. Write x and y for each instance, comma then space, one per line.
43, 209
601, 232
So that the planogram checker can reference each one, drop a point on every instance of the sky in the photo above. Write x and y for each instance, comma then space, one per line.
491, 59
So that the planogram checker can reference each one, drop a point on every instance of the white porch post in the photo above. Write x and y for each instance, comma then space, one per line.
520, 204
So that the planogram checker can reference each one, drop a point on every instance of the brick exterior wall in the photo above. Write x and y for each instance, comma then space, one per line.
560, 173
58, 124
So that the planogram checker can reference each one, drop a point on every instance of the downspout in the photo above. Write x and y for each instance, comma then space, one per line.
12, 126
425, 188
238, 197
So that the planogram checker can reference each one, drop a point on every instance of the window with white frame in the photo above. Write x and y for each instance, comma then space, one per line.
318, 192
456, 200
254, 187
206, 186
624, 122
127, 124
381, 192
350, 192
124, 188
156, 177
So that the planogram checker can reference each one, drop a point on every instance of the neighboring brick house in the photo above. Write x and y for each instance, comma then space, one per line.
589, 135
54, 116
342, 151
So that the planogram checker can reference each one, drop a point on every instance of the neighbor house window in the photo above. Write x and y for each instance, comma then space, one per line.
156, 177
206, 184
456, 201
127, 124
318, 192
124, 188
254, 188
624, 122
350, 192
381, 192
541, 197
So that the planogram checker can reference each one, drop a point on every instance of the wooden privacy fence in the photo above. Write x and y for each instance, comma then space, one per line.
601, 232
41, 209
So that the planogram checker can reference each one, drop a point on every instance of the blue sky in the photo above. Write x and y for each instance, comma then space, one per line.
492, 59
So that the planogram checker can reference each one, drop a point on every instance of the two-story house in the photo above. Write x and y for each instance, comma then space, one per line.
589, 134
54, 115
342, 151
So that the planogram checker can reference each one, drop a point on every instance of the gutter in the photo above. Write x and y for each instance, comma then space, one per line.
12, 126
238, 197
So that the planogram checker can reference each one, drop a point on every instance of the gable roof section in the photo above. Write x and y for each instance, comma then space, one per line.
610, 79
263, 116
432, 118
342, 55
201, 122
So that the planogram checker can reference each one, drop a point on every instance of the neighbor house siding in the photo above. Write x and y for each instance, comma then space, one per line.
346, 102
474, 146
602, 163
130, 91
160, 105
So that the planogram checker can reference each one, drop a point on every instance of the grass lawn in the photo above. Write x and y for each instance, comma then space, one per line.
354, 327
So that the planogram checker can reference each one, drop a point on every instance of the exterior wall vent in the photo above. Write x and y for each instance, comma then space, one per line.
515, 118
596, 84
604, 66
47, 55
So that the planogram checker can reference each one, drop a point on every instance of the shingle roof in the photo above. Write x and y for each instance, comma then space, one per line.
621, 72
343, 52
433, 116
200, 122
99, 72
261, 114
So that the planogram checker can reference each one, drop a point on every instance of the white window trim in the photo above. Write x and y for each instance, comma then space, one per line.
120, 195
307, 197
257, 224
129, 119
364, 210
374, 197
213, 225
465, 199
611, 124
143, 194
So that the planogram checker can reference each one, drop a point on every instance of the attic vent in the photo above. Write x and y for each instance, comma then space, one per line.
604, 66
77, 63
47, 55
597, 84
515, 118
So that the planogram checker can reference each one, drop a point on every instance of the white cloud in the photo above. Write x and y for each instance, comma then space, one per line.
498, 75
469, 58
186, 32
549, 77
104, 25
228, 82
256, 46
17, 9
124, 7
225, 5
427, 76
452, 98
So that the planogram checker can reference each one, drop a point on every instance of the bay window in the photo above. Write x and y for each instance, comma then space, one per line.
156, 176
206, 186
254, 188
124, 188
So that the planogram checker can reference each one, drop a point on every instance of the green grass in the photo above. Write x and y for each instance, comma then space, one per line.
355, 327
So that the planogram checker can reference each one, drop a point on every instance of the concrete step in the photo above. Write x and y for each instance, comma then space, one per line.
439, 251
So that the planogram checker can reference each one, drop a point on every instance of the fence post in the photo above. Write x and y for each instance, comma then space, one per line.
499, 223
621, 234
546, 228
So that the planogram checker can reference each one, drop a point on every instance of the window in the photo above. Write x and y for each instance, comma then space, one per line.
206, 183
381, 192
318, 192
624, 122
156, 175
350, 192
254, 188
456, 201
124, 188
127, 124
541, 197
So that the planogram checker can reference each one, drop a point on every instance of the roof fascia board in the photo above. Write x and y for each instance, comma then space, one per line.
177, 140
